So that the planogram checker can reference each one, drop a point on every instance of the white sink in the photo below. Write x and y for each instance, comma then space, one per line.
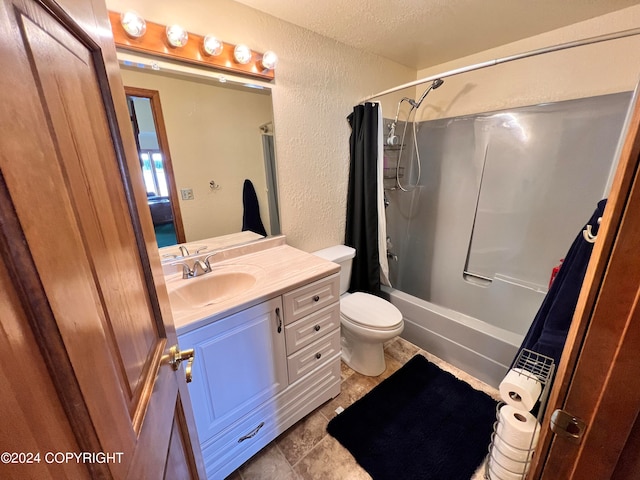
210, 288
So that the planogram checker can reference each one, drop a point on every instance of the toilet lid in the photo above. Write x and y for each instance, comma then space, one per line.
370, 311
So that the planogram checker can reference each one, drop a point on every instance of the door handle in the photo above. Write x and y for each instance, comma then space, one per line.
567, 426
177, 356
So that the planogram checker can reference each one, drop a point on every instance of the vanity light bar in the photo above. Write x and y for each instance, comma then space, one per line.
155, 42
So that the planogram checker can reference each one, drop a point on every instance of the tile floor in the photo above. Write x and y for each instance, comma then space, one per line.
307, 452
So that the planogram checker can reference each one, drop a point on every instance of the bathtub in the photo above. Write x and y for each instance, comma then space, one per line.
473, 253
480, 349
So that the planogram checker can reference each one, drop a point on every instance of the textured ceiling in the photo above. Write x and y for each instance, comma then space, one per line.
422, 33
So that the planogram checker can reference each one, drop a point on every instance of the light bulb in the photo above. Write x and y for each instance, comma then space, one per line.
269, 60
133, 24
242, 54
212, 46
177, 36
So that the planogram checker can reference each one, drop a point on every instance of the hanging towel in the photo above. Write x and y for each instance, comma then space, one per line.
251, 217
548, 332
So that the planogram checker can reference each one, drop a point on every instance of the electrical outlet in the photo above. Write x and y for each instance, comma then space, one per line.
187, 193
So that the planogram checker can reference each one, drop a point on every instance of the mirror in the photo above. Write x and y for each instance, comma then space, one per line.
221, 159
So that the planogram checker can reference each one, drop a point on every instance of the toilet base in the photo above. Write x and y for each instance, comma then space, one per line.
364, 358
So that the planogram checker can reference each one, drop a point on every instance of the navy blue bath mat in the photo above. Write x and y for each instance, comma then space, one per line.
421, 423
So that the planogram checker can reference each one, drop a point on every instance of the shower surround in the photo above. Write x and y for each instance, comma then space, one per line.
501, 197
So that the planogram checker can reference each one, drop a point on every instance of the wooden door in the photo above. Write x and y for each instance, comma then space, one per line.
85, 318
598, 377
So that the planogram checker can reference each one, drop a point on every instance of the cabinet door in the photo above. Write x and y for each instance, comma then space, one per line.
240, 363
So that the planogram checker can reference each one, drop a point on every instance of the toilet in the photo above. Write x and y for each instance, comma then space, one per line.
366, 321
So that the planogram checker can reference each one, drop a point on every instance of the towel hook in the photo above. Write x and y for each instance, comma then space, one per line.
588, 234
213, 185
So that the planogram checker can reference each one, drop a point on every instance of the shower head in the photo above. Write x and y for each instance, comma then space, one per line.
436, 83
392, 138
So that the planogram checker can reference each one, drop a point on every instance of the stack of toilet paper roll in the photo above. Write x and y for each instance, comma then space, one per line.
518, 430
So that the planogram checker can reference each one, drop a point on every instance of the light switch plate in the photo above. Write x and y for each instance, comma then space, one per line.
187, 193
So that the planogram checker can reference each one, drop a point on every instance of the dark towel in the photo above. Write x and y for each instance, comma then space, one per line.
548, 332
251, 217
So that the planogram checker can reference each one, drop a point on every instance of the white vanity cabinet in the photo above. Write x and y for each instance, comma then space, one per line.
239, 364
259, 371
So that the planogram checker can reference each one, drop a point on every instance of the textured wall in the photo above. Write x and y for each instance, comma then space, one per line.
317, 83
599, 69
319, 80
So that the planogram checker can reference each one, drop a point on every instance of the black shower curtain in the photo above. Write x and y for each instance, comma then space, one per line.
362, 200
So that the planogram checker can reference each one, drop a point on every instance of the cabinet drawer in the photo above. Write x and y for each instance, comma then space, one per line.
311, 298
243, 439
223, 454
312, 327
311, 356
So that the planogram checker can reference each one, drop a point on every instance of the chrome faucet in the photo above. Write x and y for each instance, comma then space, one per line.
183, 250
187, 272
199, 264
200, 267
205, 264
206, 259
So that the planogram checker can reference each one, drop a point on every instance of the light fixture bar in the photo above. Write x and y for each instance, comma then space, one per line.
154, 42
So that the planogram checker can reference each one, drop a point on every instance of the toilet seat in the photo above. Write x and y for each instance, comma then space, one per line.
370, 311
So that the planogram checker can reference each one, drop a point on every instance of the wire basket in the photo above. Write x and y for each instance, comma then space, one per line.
504, 460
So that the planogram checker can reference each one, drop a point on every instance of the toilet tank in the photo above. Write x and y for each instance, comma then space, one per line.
343, 256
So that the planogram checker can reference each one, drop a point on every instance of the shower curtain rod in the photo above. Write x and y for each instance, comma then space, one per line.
489, 63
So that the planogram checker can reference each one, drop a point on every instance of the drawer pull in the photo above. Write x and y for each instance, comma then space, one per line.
318, 355
251, 434
316, 298
279, 319
317, 328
